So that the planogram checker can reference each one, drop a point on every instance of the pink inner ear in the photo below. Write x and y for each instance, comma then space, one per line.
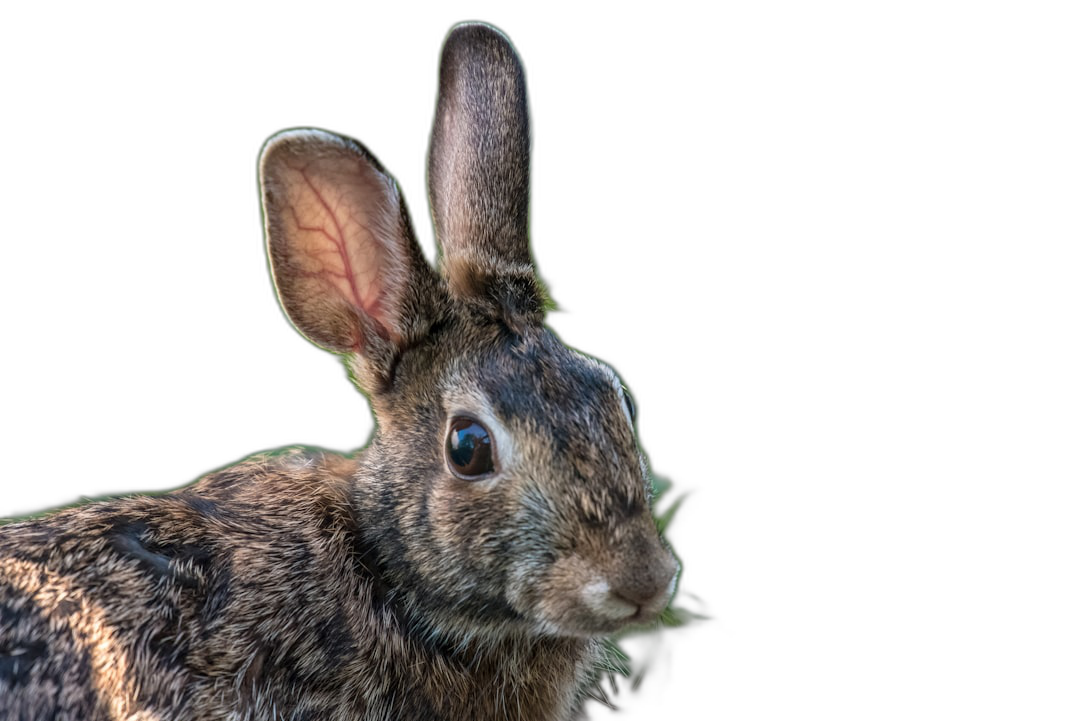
340, 221
333, 259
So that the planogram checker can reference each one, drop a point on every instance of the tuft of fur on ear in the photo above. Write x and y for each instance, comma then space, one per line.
478, 172
345, 263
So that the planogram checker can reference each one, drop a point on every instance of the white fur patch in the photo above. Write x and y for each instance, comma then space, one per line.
597, 596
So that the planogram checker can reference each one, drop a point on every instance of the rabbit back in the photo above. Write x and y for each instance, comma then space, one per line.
162, 604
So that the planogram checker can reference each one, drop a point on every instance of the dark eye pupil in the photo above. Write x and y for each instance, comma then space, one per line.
468, 449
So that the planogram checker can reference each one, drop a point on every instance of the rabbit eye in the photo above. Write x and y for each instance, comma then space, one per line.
631, 409
469, 452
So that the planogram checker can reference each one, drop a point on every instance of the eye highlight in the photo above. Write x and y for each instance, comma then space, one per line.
470, 450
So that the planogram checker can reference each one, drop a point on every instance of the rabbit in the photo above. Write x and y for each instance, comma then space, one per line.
465, 564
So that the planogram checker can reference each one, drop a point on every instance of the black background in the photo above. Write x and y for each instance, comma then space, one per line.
146, 348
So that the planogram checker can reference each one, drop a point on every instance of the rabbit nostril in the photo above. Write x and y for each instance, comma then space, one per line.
636, 605
639, 597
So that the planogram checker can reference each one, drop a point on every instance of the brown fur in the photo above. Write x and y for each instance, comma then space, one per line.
251, 591
308, 585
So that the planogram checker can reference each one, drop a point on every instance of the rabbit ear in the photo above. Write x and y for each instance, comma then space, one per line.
342, 253
478, 171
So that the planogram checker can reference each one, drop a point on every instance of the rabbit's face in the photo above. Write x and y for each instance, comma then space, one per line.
536, 508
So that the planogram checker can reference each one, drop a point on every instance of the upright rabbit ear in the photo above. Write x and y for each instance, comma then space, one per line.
478, 172
345, 262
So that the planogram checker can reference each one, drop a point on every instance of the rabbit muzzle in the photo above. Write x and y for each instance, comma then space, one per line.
625, 583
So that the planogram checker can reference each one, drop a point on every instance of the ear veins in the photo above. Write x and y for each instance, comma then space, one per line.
337, 241
347, 274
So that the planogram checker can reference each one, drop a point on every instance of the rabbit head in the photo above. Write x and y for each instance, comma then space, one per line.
503, 490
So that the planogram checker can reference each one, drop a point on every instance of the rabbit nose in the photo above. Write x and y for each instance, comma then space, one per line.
635, 594
647, 586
